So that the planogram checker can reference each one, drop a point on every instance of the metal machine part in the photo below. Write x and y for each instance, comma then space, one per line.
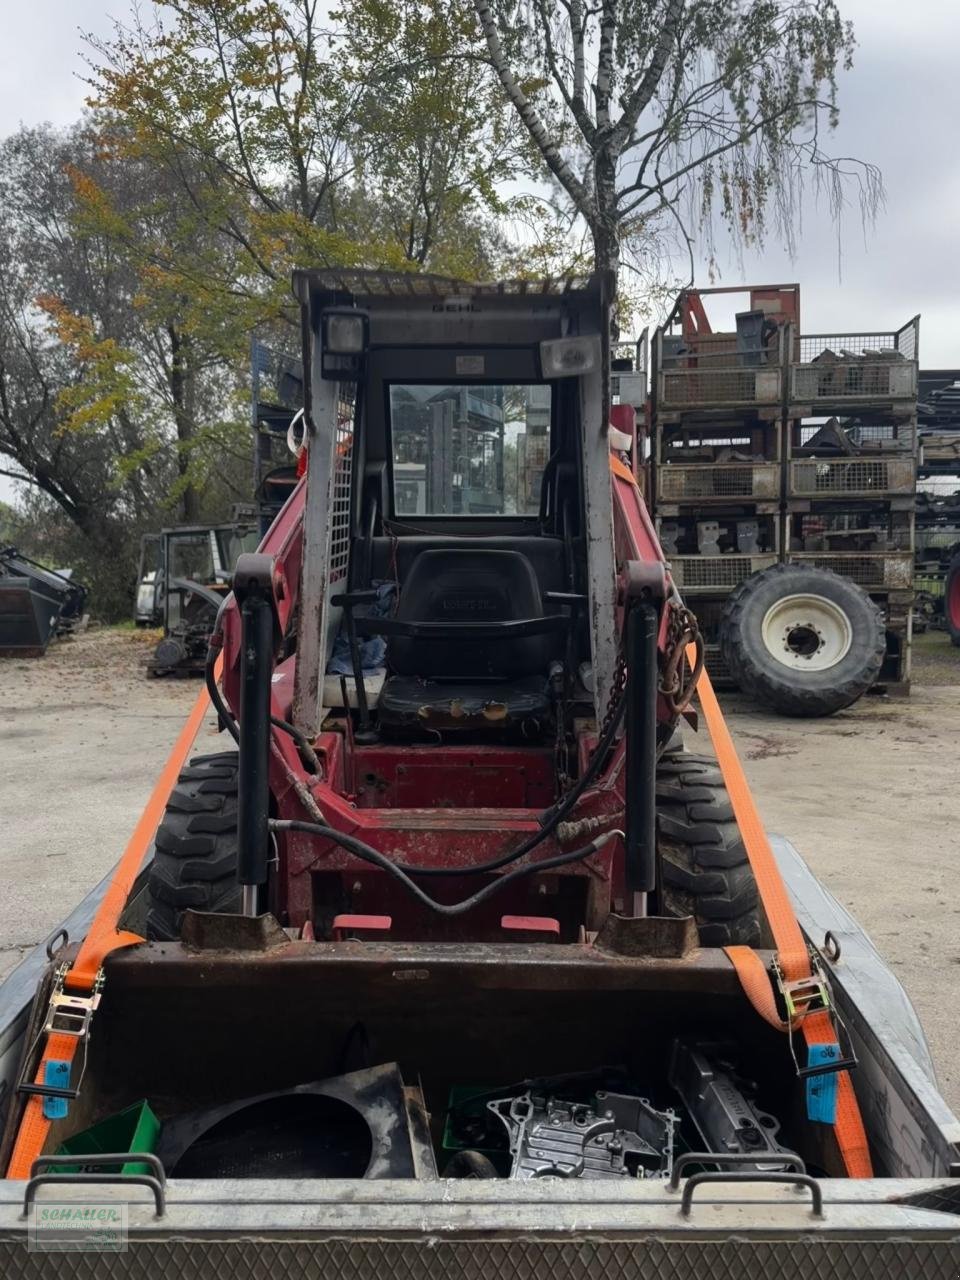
748, 537
617, 1136
724, 1116
708, 537
364, 1124
669, 536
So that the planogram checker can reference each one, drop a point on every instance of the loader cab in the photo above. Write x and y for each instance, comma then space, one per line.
452, 434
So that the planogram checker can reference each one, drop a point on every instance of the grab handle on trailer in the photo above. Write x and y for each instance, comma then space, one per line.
156, 1181
791, 1179
734, 1158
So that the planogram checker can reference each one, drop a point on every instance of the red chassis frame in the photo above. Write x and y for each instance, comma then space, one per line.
423, 831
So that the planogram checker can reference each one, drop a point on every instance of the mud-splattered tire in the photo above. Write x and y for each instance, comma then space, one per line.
704, 869
804, 641
195, 862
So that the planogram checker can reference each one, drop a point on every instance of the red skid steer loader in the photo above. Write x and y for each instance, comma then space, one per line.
460, 963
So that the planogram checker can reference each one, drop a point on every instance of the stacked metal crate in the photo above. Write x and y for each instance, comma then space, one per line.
769, 445
851, 472
717, 402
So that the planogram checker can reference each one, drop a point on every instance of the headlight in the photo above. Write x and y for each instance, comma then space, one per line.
345, 332
570, 357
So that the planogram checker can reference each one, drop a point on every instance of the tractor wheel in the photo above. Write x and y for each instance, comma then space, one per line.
806, 642
704, 869
195, 859
951, 600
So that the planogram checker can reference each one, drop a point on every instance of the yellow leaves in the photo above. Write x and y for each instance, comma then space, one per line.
104, 384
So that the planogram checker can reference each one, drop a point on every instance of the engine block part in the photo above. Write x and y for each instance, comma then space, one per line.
616, 1136
725, 1117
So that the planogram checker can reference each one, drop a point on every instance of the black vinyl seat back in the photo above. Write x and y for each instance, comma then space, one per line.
458, 585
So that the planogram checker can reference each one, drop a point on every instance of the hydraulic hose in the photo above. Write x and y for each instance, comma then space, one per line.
378, 859
550, 819
226, 717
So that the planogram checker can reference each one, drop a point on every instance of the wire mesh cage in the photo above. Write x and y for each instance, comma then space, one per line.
889, 571
713, 369
813, 476
747, 440
716, 573
868, 434
718, 481
717, 669
873, 529
707, 386
856, 366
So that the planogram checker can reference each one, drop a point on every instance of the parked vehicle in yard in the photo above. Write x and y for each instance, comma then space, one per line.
461, 964
184, 576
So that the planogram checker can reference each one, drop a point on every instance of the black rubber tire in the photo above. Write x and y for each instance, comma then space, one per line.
789, 691
951, 600
195, 859
704, 868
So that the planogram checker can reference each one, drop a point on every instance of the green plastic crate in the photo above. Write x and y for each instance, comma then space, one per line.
135, 1129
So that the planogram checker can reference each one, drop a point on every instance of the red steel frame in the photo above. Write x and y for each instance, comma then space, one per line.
427, 835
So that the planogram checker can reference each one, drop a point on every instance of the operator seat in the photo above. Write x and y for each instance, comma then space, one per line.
463, 683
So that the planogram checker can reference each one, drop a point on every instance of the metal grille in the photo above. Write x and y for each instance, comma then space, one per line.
342, 488
846, 345
718, 480
908, 339
709, 614
854, 379
891, 571
581, 1257
861, 475
884, 435
873, 437
718, 386
872, 531
717, 669
716, 573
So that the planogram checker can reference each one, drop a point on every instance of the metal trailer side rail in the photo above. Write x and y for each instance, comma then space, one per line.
544, 1229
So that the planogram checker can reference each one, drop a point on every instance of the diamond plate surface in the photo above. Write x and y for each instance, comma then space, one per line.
506, 1259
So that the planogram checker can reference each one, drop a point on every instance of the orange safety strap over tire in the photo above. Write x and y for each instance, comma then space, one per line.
793, 955
103, 937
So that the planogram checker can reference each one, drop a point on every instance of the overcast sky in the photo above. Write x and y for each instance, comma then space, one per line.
899, 107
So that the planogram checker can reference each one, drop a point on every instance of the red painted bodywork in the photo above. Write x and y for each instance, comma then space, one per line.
450, 806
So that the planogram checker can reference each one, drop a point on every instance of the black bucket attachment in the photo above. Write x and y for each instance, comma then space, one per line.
35, 605
28, 617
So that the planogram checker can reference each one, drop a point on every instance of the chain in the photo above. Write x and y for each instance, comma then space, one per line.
617, 687
682, 631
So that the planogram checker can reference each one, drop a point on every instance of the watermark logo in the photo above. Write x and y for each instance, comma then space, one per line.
74, 1226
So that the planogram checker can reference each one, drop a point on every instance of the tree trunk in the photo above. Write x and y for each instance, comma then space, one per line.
182, 393
605, 230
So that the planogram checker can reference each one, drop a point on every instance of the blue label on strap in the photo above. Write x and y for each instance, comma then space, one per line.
822, 1090
57, 1075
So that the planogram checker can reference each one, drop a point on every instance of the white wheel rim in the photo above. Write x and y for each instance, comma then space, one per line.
806, 633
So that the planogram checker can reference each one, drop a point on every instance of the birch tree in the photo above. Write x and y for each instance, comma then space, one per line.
680, 112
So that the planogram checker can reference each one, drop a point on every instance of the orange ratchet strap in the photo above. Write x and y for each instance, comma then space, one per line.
803, 989
793, 956
77, 990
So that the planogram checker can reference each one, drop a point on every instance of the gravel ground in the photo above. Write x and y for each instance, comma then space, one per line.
868, 797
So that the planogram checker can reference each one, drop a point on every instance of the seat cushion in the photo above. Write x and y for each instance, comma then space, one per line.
406, 701
393, 558
462, 586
